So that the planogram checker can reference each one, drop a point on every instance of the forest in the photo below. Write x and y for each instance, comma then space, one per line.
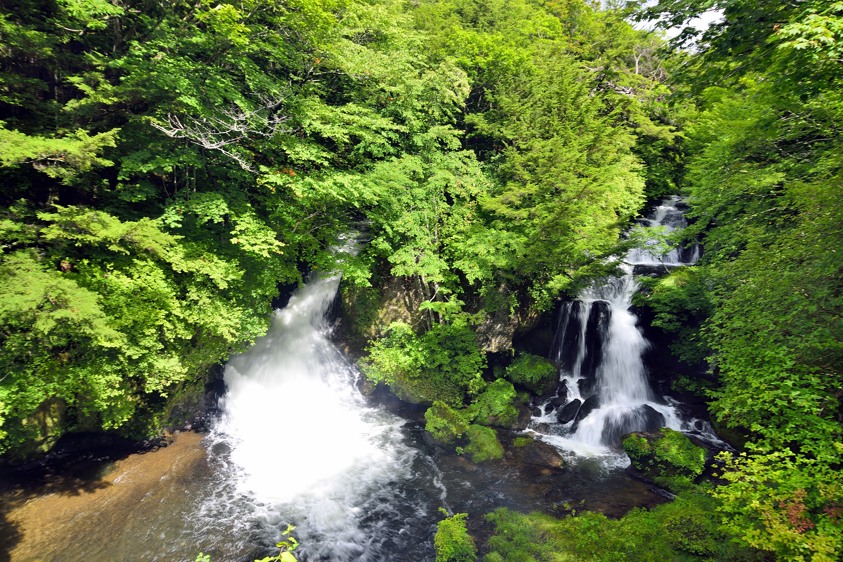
169, 167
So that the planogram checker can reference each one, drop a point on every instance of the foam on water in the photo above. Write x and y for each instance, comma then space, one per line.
300, 444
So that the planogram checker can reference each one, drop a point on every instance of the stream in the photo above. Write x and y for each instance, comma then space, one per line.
296, 443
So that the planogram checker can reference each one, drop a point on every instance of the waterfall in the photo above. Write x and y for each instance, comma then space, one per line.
604, 389
300, 445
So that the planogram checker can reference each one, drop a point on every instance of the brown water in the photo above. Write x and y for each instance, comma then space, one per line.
107, 516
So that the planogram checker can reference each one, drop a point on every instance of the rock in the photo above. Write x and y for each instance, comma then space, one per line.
644, 418
586, 386
525, 450
595, 335
591, 403
559, 401
568, 411
524, 417
667, 458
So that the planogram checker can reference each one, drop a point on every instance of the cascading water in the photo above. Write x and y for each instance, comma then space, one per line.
604, 392
301, 446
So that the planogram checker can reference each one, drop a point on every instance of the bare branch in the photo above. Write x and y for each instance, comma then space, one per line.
233, 125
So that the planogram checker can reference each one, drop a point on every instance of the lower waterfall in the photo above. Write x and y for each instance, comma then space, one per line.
301, 446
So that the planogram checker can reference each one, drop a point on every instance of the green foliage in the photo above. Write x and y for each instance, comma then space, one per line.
531, 371
287, 546
452, 541
681, 302
442, 364
494, 406
783, 503
764, 179
681, 530
669, 458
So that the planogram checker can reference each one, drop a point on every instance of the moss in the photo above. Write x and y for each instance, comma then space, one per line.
522, 441
494, 406
483, 444
668, 458
685, 529
444, 423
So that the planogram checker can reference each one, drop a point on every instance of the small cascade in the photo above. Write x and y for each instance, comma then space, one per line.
604, 392
669, 216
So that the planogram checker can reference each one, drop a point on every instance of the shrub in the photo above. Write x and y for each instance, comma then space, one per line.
452, 541
442, 364
532, 371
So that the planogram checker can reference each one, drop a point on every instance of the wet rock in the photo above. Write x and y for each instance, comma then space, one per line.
595, 336
559, 401
644, 418
568, 334
651, 270
586, 386
568, 411
526, 450
524, 417
591, 403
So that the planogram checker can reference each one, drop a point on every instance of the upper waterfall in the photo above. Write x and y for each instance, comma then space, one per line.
604, 391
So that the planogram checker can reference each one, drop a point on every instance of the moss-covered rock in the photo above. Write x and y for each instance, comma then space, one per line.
535, 373
483, 444
667, 458
495, 406
445, 424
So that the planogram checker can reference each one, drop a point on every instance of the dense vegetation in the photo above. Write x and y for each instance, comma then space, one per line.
166, 166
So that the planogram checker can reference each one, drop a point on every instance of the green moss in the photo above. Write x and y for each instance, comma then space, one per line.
683, 530
444, 423
532, 371
522, 441
494, 406
669, 458
483, 444
452, 541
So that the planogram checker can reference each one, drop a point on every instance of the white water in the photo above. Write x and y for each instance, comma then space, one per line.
669, 218
625, 401
303, 447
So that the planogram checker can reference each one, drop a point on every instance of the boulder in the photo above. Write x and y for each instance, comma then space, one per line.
591, 403
595, 335
667, 458
643, 418
569, 411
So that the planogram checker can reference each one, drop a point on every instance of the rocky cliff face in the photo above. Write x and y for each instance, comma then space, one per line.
366, 312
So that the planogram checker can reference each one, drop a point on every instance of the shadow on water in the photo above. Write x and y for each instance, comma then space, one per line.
76, 468
9, 535
64, 478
